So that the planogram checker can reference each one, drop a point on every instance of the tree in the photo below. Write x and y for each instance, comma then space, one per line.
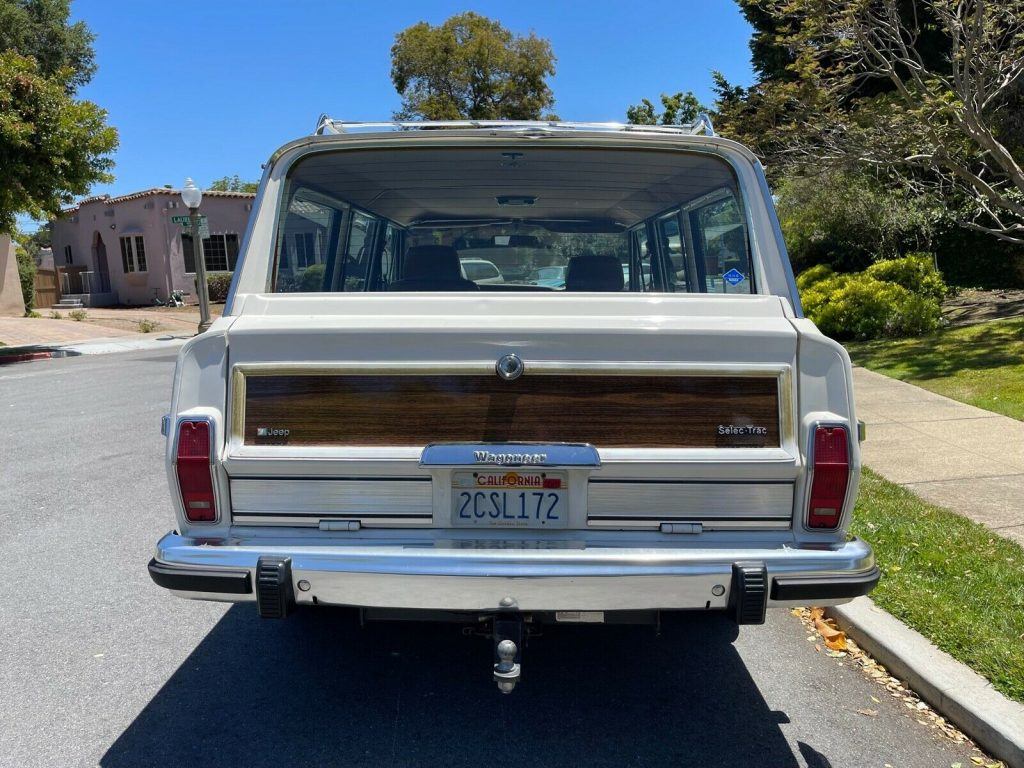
925, 95
233, 184
940, 130
471, 67
53, 147
677, 109
40, 29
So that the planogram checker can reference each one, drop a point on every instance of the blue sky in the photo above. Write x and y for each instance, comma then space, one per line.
208, 89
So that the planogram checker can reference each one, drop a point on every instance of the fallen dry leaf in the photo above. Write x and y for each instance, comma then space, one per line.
868, 712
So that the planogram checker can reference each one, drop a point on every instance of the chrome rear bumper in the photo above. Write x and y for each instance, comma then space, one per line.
591, 579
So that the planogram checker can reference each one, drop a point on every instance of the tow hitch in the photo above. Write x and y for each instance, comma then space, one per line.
508, 641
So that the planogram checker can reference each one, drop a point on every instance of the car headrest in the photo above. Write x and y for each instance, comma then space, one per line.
433, 262
593, 272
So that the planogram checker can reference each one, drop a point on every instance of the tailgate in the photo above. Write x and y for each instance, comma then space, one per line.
688, 401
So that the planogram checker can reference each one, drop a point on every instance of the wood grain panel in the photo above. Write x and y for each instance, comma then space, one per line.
607, 411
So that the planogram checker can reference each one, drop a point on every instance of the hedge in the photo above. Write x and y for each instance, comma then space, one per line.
217, 285
890, 299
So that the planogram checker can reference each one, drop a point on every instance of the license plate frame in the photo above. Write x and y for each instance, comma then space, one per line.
518, 499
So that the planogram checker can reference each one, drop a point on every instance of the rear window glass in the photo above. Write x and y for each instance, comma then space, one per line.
512, 218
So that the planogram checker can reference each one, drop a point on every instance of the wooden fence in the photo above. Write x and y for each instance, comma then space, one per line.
47, 288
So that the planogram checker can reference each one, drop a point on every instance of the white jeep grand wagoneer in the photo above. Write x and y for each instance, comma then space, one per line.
635, 419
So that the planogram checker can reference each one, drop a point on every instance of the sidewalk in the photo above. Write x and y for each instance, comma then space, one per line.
100, 323
951, 454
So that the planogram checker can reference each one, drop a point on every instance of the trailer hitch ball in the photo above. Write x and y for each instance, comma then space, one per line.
506, 671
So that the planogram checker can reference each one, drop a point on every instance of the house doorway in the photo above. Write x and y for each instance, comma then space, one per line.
98, 280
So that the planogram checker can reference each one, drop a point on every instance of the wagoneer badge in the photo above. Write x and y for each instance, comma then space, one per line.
517, 459
509, 367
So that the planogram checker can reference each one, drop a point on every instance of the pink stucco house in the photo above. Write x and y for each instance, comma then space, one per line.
126, 249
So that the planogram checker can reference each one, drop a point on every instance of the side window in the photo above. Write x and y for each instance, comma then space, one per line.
720, 239
388, 262
642, 255
673, 249
358, 252
303, 249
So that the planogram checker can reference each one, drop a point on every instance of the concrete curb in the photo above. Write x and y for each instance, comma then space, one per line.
91, 347
961, 695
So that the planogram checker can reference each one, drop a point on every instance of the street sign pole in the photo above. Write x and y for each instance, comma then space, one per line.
201, 286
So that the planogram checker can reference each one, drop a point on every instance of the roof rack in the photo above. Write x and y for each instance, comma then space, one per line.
327, 125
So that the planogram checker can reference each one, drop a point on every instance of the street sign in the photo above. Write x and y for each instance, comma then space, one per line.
186, 220
204, 228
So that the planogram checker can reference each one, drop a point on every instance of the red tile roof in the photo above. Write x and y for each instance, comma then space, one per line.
108, 200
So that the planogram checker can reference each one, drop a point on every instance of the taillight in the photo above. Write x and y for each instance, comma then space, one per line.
195, 476
830, 467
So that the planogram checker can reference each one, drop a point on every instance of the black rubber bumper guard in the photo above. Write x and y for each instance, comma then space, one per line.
190, 579
839, 587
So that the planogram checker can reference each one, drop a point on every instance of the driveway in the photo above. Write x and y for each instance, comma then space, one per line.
99, 666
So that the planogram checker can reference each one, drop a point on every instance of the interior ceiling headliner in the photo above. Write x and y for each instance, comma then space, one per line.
411, 185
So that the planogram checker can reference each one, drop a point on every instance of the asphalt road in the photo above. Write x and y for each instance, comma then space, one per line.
100, 666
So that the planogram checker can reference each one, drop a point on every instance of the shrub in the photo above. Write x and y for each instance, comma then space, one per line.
32, 313
77, 315
815, 274
916, 272
847, 219
55, 315
312, 279
860, 306
147, 326
217, 285
27, 277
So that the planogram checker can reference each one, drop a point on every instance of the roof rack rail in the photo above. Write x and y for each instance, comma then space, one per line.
327, 125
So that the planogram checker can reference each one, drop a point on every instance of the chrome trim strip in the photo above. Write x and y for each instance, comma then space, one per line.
313, 520
707, 524
510, 455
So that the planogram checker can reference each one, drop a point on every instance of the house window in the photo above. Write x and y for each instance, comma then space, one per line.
67, 255
133, 254
220, 252
305, 251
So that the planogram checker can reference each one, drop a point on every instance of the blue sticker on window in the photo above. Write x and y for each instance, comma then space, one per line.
734, 277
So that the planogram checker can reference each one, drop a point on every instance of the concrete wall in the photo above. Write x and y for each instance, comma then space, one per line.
12, 302
97, 224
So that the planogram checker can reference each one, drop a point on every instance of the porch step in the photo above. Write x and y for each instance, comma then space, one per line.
68, 304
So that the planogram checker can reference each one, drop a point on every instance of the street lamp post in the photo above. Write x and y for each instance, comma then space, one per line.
192, 197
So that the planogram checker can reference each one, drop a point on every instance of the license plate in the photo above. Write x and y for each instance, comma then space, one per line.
510, 499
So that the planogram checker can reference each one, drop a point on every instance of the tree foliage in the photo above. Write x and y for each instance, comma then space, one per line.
53, 147
471, 67
677, 109
233, 184
847, 220
924, 93
40, 29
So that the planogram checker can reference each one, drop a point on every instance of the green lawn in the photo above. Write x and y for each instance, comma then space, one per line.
979, 364
954, 581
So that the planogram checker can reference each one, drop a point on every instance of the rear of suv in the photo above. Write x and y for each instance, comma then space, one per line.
659, 431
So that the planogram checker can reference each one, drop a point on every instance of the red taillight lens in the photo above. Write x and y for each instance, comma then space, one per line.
194, 475
831, 475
